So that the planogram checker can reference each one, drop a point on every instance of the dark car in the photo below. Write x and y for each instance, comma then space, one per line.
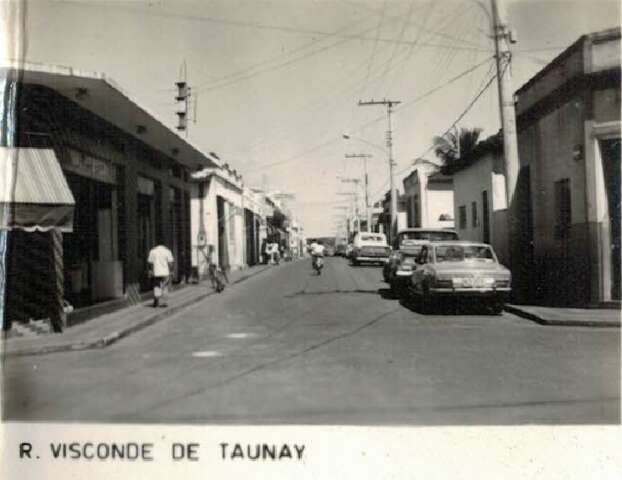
398, 269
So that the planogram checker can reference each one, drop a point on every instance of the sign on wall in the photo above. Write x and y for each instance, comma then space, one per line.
90, 167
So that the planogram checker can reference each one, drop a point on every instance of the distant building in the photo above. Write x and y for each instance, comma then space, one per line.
568, 196
218, 234
479, 197
428, 196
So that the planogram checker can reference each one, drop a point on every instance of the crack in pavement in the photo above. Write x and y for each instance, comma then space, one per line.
330, 292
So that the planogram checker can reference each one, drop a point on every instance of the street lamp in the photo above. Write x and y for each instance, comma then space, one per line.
347, 136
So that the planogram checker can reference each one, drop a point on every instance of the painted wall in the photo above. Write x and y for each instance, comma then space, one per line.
205, 217
439, 201
427, 199
469, 184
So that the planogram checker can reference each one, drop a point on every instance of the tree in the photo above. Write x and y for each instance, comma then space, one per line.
455, 146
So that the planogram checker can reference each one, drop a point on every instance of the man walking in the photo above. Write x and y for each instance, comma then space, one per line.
160, 267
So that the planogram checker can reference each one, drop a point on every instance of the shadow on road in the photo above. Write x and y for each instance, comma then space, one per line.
330, 292
387, 294
446, 307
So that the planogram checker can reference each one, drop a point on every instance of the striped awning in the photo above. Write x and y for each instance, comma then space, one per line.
34, 194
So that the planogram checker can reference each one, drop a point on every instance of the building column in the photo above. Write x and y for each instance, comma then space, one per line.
58, 318
596, 214
186, 240
128, 183
166, 229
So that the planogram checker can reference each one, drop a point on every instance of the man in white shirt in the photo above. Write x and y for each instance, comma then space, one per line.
317, 251
160, 267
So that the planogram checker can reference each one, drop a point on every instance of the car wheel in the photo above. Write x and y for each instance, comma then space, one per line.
394, 289
425, 304
496, 307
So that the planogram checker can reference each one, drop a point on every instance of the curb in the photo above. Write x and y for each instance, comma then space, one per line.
562, 323
114, 337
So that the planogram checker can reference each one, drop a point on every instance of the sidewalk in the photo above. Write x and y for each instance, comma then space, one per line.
578, 317
109, 328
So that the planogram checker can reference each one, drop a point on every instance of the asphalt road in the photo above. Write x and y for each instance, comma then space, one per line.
287, 347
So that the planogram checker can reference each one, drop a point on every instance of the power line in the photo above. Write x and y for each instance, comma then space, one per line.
464, 112
460, 117
412, 47
325, 102
373, 52
401, 35
275, 58
419, 25
410, 102
254, 25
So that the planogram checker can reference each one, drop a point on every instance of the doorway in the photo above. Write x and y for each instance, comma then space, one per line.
610, 154
223, 244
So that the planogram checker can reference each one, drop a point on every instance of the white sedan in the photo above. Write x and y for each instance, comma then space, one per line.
460, 269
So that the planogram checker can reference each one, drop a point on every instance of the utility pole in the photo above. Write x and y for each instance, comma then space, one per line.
364, 156
503, 37
356, 182
389, 104
346, 222
350, 208
183, 95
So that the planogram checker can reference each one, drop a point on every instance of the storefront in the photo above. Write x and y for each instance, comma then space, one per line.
36, 210
130, 178
217, 221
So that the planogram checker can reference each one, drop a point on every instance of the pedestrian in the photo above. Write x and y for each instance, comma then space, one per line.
276, 253
268, 253
160, 268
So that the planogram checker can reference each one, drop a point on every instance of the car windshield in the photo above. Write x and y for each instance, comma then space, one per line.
372, 238
411, 251
432, 236
463, 253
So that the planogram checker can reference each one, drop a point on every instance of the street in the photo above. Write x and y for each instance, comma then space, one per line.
291, 347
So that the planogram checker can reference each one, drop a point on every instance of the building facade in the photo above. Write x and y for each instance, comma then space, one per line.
218, 220
128, 174
428, 197
568, 119
480, 202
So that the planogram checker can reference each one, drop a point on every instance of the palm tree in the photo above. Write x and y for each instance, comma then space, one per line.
455, 146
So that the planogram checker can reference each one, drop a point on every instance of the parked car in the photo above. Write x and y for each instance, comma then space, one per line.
369, 247
460, 270
400, 265
341, 250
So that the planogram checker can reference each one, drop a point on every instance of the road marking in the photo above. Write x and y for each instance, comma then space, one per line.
207, 353
240, 335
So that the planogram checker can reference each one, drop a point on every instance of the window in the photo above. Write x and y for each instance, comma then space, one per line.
563, 212
464, 253
372, 238
416, 215
474, 219
462, 217
428, 235
485, 217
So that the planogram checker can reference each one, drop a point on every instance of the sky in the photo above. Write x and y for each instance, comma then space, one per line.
277, 82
